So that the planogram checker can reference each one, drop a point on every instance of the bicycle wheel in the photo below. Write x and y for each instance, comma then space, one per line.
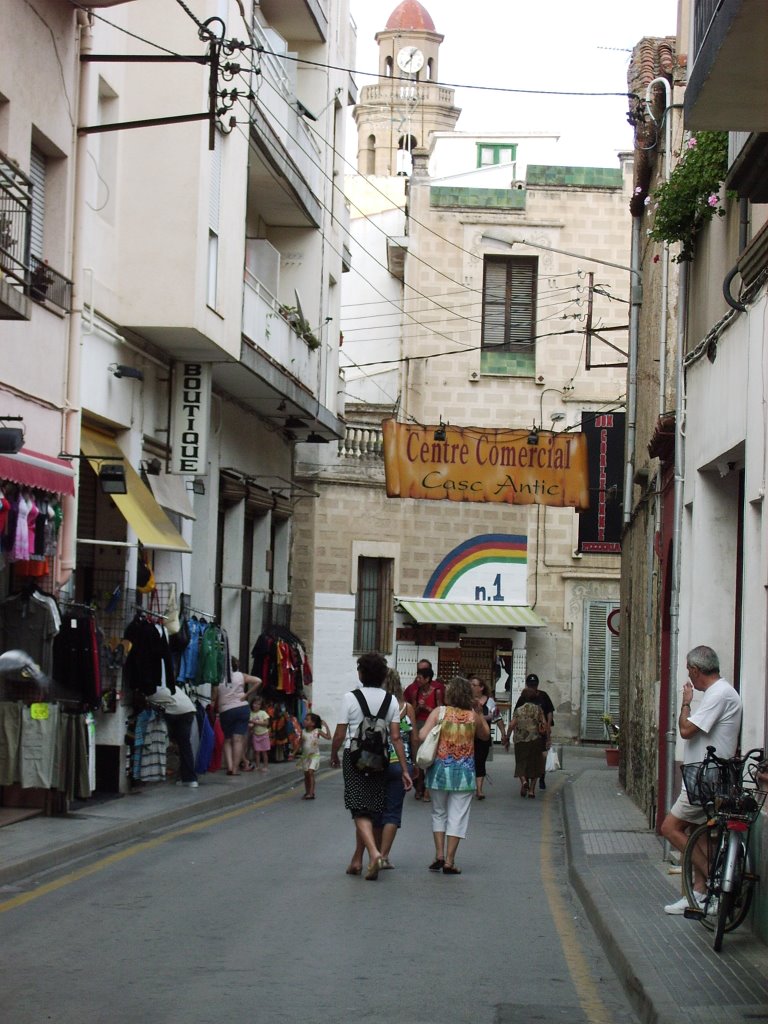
734, 905
708, 837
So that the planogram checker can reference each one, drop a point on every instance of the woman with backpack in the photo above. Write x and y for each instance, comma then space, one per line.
368, 716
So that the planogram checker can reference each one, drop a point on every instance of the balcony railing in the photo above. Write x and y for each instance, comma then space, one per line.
265, 326
703, 16
362, 442
48, 285
15, 221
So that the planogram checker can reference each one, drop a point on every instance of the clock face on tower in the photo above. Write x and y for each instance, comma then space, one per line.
410, 59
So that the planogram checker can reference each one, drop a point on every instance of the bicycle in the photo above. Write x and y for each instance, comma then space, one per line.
718, 785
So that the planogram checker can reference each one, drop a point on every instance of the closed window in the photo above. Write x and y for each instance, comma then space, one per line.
38, 173
509, 314
373, 605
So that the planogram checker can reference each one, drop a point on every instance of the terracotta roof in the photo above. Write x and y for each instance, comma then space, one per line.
411, 15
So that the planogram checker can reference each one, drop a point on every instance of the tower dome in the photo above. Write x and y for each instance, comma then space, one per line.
411, 15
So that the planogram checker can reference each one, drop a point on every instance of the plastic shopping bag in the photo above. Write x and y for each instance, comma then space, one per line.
553, 761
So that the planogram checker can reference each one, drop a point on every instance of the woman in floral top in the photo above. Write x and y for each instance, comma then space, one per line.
451, 778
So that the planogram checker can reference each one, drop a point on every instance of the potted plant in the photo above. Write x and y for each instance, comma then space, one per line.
612, 736
292, 315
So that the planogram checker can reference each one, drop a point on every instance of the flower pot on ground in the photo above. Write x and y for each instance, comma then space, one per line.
612, 757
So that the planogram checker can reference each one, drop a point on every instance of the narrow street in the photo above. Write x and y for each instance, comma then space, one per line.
249, 915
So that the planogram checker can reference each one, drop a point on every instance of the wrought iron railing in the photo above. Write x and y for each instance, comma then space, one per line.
48, 285
15, 220
703, 16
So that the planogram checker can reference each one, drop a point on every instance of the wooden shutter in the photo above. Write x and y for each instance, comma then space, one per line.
600, 671
37, 174
509, 302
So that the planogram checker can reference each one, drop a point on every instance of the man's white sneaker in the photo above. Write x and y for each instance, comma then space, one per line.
678, 907
189, 785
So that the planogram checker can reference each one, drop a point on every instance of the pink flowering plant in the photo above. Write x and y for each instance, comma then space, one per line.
691, 196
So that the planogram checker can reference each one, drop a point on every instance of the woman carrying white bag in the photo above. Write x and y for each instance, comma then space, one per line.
451, 776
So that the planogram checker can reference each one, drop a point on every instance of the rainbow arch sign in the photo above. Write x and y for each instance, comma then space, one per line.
485, 568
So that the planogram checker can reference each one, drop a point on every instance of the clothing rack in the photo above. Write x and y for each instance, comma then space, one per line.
149, 611
198, 611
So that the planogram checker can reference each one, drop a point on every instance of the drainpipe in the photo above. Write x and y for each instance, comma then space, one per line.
634, 327
71, 426
667, 118
674, 602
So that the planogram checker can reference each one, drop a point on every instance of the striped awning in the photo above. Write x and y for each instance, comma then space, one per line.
472, 614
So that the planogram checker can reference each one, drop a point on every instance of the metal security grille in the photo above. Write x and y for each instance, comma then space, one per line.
373, 605
37, 172
600, 671
509, 303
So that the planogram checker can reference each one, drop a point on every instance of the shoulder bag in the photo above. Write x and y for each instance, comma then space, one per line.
425, 755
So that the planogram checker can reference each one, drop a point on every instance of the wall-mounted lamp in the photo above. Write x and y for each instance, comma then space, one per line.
119, 370
111, 471
198, 486
11, 440
533, 435
439, 434
112, 478
316, 439
557, 416
152, 467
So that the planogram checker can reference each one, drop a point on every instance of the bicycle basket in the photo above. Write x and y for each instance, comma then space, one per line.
705, 780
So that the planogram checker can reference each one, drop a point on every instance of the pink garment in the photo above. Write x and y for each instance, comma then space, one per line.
21, 540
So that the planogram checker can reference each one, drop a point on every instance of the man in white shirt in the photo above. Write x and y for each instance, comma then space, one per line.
715, 722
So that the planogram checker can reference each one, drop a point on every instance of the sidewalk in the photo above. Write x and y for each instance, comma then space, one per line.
667, 964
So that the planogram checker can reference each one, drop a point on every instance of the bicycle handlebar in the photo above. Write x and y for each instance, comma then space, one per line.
756, 754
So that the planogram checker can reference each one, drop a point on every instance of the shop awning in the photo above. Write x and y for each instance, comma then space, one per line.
138, 507
474, 614
33, 469
171, 492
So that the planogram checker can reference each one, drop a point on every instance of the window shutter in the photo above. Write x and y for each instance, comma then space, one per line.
494, 303
600, 660
37, 173
509, 302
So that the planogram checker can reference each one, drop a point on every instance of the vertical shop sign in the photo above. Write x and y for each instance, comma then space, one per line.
190, 418
600, 524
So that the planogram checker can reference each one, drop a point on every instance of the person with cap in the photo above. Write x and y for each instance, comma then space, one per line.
548, 708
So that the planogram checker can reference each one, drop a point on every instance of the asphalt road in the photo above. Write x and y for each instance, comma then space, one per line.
248, 916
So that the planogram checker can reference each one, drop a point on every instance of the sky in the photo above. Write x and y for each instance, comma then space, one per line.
544, 45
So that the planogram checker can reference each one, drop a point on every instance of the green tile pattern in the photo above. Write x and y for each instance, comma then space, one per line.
477, 198
511, 364
585, 177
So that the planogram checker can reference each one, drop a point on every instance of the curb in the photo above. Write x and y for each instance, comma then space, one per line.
125, 832
633, 968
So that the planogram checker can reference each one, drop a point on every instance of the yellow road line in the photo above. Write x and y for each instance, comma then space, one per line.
131, 851
586, 987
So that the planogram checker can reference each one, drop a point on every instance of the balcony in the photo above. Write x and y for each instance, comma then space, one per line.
15, 208
298, 19
728, 83
268, 330
284, 173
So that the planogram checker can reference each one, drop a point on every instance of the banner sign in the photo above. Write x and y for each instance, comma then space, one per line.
475, 464
190, 418
600, 526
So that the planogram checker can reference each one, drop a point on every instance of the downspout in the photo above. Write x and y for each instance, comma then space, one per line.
677, 529
667, 118
71, 427
634, 328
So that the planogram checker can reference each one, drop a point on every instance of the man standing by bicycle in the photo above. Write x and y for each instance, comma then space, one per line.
716, 722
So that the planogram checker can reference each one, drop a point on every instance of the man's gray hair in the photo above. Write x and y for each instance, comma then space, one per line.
704, 659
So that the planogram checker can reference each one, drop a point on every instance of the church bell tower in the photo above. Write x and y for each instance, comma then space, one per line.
401, 111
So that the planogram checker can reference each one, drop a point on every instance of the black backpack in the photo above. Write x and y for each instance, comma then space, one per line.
369, 749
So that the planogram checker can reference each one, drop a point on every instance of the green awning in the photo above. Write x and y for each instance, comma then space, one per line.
473, 614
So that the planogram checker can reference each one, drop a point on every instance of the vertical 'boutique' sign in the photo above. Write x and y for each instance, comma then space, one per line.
190, 418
